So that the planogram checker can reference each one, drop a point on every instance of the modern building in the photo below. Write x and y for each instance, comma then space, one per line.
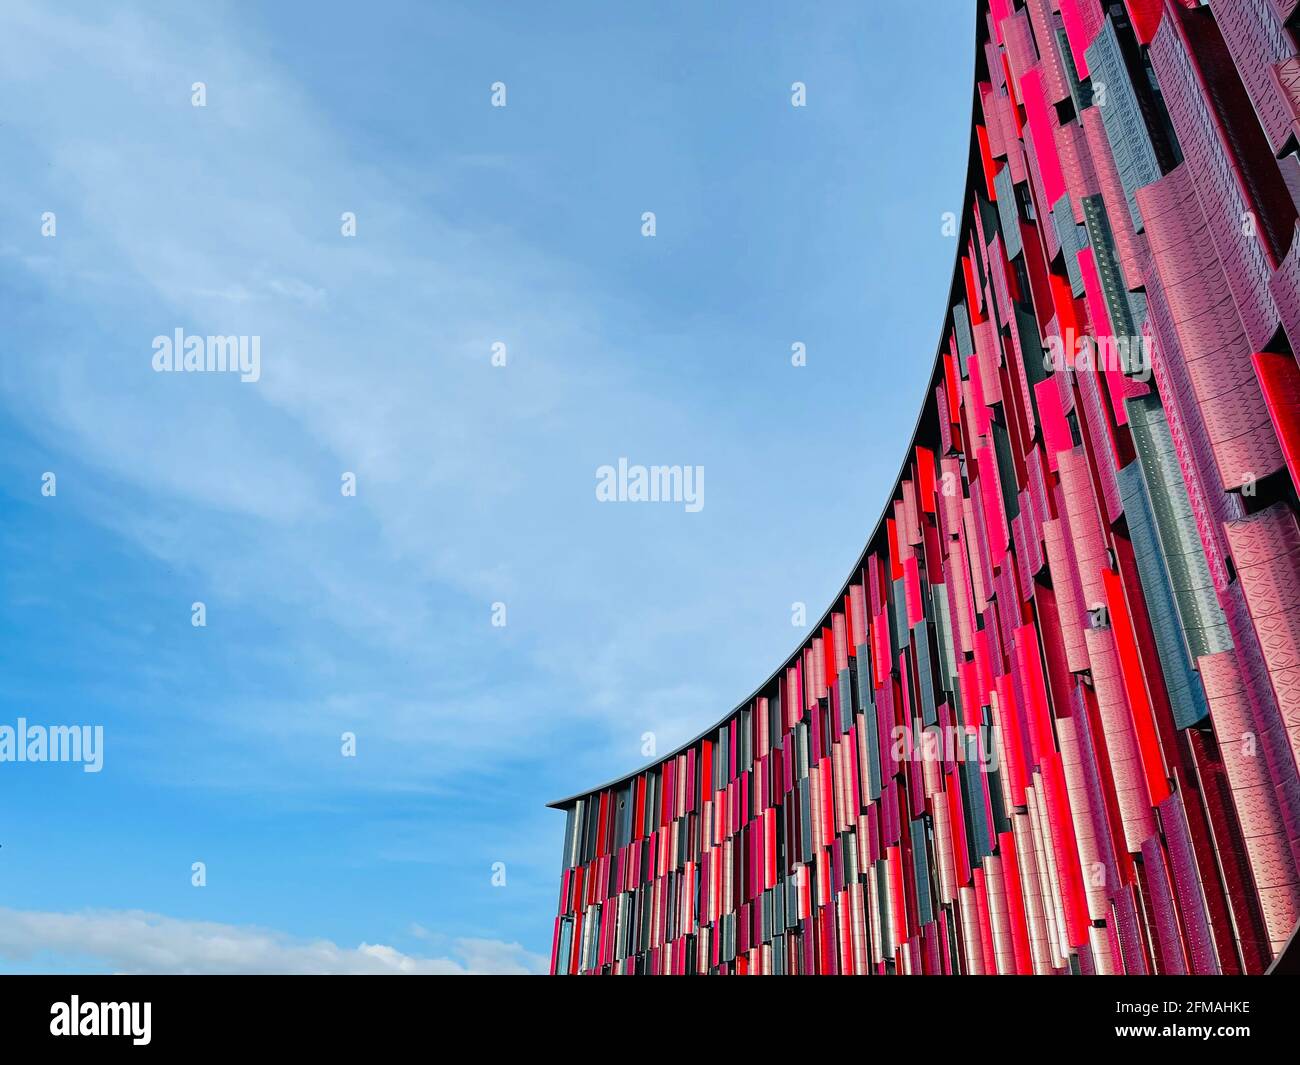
1052, 722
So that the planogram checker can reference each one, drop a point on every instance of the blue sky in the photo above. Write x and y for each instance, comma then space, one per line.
475, 483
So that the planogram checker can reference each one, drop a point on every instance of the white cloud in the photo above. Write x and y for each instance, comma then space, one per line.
474, 485
131, 941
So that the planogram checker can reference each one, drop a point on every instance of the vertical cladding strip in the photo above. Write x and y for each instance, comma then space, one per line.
1085, 526
1184, 687
1121, 743
1045, 857
1266, 547
999, 917
1075, 567
1065, 584
1182, 550
1017, 917
1096, 769
1187, 887
1258, 43
1128, 243
1168, 940
1268, 851
1085, 822
1135, 689
1136, 159
1080, 29
1035, 912
1280, 379
1215, 348
1187, 55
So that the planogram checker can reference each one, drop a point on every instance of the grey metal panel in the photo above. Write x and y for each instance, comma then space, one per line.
1031, 345
846, 699
900, 634
1121, 117
1186, 695
1080, 92
961, 327
1072, 241
1008, 214
925, 674
1189, 573
943, 634
921, 867
1006, 471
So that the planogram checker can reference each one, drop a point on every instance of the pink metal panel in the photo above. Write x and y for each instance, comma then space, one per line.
1254, 796
1266, 549
1128, 244
1214, 345
1041, 127
1065, 584
1218, 177
1121, 744
1257, 42
1042, 19
1085, 526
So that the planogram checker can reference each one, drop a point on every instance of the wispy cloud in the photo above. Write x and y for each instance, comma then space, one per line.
374, 361
130, 941
370, 614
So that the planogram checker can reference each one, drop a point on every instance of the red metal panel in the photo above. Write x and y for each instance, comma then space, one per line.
1145, 15
1078, 30
1135, 689
1253, 795
1280, 379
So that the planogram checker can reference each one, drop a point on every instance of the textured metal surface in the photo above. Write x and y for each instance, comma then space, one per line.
1051, 723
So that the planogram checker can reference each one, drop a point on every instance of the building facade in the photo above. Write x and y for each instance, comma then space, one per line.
1052, 722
